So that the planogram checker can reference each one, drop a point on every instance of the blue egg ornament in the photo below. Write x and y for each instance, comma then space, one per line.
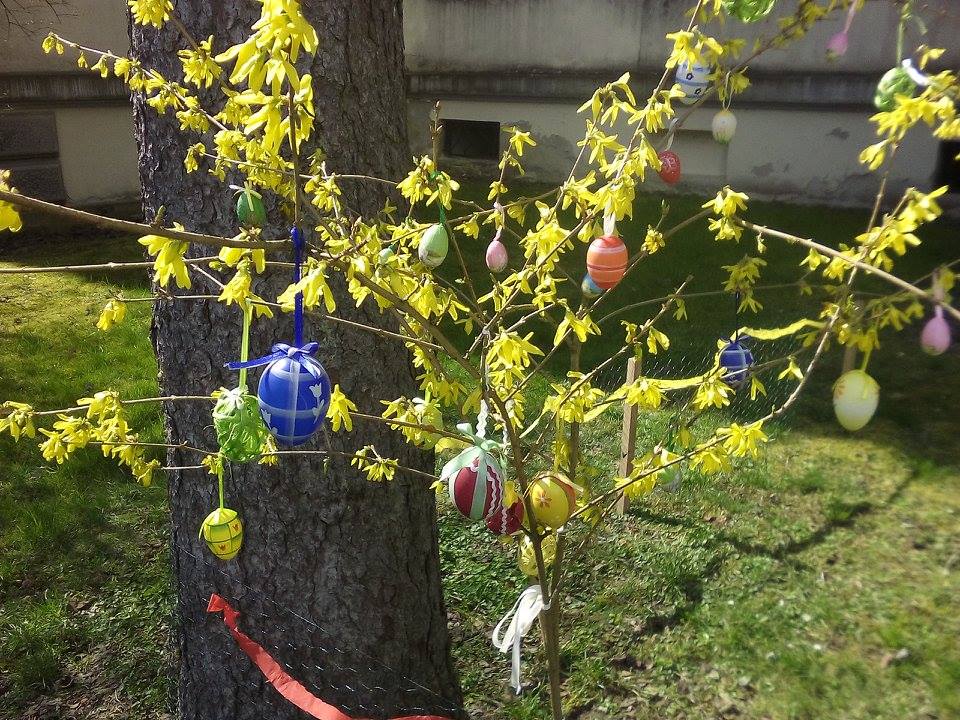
693, 80
736, 359
294, 394
589, 288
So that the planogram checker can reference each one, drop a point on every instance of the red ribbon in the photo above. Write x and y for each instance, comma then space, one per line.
284, 684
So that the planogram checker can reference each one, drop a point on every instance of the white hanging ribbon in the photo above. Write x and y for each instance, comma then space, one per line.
609, 221
918, 77
519, 619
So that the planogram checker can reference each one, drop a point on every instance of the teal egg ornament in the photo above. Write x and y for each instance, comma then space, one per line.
434, 244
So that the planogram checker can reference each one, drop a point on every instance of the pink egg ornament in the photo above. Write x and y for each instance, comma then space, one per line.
935, 338
497, 257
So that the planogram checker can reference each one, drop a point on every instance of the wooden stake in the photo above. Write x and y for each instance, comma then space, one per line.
628, 440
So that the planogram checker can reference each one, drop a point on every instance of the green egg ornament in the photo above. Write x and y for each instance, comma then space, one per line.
250, 210
748, 10
239, 426
434, 245
855, 399
896, 81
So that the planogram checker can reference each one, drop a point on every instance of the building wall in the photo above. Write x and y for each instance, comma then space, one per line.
68, 135
531, 63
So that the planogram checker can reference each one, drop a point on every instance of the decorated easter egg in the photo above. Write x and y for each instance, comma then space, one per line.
589, 288
240, 429
896, 81
669, 166
507, 520
748, 10
294, 394
735, 359
724, 126
250, 209
434, 244
837, 45
855, 399
607, 261
935, 338
553, 498
496, 256
385, 255
693, 80
222, 531
475, 481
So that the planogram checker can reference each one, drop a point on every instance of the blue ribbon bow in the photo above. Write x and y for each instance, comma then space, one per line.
280, 350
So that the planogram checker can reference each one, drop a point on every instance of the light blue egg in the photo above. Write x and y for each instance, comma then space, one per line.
692, 79
589, 288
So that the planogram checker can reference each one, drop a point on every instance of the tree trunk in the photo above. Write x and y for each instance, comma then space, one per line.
338, 577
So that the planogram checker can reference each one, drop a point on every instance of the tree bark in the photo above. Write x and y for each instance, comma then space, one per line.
338, 578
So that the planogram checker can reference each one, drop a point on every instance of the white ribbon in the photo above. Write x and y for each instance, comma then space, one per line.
519, 619
918, 77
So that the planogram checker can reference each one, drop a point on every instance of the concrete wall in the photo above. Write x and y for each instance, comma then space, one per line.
67, 134
802, 123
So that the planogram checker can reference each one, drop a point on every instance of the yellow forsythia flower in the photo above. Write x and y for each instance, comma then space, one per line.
168, 258
113, 312
339, 410
150, 12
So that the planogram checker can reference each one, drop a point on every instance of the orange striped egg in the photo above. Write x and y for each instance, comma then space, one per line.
607, 261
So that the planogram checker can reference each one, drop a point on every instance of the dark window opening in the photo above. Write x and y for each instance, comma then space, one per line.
475, 139
948, 167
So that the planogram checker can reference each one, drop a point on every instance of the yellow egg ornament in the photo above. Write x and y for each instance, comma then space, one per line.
222, 530
553, 497
855, 399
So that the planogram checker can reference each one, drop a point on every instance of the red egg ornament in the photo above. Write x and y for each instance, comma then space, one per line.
607, 261
507, 520
669, 167
475, 482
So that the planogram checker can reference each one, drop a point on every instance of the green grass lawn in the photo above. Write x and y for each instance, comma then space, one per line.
819, 581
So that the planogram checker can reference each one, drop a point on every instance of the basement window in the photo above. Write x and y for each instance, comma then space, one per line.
475, 139
948, 167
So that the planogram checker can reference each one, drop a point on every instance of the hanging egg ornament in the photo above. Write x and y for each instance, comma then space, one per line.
294, 394
896, 81
589, 288
507, 520
240, 429
837, 46
250, 210
222, 531
855, 399
693, 79
434, 244
385, 256
724, 126
669, 170
497, 257
935, 338
553, 498
736, 359
607, 261
748, 10
474, 479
